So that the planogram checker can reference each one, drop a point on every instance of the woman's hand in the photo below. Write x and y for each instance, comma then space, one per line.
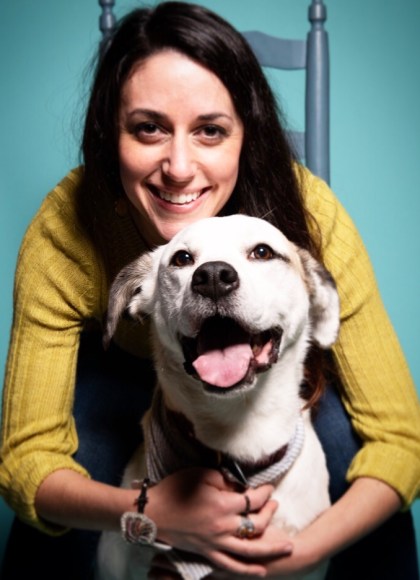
195, 510
366, 504
198, 511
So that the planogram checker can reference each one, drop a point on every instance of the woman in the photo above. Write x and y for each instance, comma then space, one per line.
181, 124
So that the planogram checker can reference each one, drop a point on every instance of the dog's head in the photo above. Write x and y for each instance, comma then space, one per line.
227, 297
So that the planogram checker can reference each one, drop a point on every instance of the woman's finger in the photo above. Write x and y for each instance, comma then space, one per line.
252, 500
275, 544
226, 562
250, 525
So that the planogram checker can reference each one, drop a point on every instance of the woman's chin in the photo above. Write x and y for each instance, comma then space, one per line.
167, 231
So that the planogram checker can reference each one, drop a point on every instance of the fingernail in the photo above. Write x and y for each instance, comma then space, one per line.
288, 548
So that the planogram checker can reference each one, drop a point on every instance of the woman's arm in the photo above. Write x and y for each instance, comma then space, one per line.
58, 286
377, 388
366, 505
194, 510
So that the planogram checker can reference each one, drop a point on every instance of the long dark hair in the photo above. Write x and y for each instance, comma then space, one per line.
267, 186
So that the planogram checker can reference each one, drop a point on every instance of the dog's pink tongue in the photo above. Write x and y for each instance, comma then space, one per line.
224, 368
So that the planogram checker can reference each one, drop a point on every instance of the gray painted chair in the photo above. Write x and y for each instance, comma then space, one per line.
312, 146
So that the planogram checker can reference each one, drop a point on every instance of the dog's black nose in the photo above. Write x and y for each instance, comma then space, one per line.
214, 280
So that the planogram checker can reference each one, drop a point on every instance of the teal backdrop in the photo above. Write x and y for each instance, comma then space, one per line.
45, 50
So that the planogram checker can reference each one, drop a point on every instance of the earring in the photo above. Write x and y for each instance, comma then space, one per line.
120, 207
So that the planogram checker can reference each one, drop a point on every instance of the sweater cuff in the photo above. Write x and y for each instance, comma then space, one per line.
392, 465
22, 499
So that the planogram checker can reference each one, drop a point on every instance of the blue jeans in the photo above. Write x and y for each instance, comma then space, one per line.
112, 392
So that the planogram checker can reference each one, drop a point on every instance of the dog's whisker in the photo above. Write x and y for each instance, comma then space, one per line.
267, 213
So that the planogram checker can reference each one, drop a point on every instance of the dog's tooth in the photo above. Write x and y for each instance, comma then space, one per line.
256, 349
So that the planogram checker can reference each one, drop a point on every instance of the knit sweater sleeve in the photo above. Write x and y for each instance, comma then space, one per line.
377, 388
58, 285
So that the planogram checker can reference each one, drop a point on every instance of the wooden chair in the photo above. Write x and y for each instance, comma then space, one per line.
313, 144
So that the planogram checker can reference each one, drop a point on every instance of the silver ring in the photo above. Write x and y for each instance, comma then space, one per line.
246, 530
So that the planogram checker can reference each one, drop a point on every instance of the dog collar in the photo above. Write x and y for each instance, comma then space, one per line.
172, 436
270, 469
276, 467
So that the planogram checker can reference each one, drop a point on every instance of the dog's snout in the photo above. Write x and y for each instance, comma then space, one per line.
215, 280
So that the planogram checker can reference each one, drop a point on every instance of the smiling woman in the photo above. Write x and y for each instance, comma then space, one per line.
179, 144
181, 124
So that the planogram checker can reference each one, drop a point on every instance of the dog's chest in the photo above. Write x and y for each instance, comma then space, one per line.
298, 470
302, 493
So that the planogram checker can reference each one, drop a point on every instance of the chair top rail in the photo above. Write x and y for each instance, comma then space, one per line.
276, 52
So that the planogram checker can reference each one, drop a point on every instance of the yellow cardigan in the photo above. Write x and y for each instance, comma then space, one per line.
60, 285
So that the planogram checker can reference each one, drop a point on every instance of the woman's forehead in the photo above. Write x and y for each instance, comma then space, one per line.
169, 80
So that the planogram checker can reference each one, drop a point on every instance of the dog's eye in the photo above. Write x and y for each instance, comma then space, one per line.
262, 252
182, 258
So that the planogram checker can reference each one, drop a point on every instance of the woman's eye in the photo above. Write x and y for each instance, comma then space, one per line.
148, 128
182, 258
262, 252
212, 132
147, 131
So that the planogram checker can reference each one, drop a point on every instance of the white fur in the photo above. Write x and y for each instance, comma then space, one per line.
291, 291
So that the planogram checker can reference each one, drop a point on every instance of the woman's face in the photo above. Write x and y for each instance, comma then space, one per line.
180, 140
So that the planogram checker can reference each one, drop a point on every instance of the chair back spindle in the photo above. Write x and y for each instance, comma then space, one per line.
311, 55
107, 21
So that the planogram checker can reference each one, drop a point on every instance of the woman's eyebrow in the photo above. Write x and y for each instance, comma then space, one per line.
150, 113
214, 116
159, 116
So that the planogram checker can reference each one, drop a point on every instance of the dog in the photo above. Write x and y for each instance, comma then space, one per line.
235, 306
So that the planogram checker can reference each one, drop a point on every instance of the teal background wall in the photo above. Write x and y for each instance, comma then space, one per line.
45, 48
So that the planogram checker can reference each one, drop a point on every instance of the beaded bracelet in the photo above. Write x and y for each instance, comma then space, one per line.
142, 500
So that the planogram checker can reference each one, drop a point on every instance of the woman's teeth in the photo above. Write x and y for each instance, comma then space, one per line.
179, 199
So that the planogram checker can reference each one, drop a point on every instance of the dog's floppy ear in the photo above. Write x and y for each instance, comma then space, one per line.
132, 290
325, 304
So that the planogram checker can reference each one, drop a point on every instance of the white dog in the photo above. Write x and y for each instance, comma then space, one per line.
235, 307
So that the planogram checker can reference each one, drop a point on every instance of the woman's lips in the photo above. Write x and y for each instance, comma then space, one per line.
182, 198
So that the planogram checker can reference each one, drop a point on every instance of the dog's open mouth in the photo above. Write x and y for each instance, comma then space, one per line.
225, 355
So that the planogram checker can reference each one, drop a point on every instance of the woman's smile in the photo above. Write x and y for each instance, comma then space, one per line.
179, 144
181, 198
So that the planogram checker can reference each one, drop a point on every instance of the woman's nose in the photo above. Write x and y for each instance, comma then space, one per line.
179, 164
